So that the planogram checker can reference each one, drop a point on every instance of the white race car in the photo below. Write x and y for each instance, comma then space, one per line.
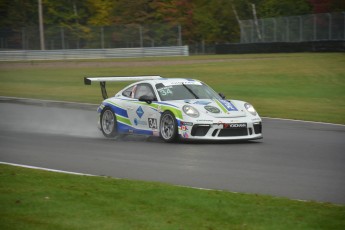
174, 108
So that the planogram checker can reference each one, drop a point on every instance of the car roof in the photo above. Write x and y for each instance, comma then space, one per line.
171, 80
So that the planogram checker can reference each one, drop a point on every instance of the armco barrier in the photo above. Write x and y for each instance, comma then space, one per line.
25, 55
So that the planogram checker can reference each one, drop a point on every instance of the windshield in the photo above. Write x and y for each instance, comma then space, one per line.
186, 91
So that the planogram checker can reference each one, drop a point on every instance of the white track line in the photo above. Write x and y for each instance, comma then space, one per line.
84, 174
312, 122
46, 169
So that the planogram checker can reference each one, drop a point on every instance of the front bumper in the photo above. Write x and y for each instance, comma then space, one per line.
227, 130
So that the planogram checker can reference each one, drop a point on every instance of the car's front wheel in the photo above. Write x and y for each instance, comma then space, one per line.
108, 123
168, 127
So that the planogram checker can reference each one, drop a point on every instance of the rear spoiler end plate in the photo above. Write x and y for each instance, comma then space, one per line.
103, 80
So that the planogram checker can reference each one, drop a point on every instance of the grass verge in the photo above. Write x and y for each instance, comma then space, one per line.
305, 86
35, 199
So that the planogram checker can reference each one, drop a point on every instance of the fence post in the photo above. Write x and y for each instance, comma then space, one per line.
102, 37
314, 28
344, 24
252, 31
263, 30
41, 27
275, 29
243, 38
141, 36
62, 38
23, 38
256, 22
300, 29
287, 29
179, 36
330, 27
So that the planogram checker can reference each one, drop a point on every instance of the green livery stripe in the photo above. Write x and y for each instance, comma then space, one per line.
153, 105
176, 112
123, 120
221, 106
110, 102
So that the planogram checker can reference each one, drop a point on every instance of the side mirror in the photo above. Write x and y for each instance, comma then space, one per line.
147, 99
221, 95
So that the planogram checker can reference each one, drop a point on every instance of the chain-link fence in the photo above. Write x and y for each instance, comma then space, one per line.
313, 27
87, 37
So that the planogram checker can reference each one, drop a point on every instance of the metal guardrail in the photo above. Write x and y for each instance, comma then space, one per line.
25, 55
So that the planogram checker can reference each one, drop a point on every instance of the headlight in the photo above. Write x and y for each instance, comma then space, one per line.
190, 111
250, 109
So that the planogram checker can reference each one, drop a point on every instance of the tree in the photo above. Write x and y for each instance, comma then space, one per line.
18, 13
327, 6
215, 21
101, 12
132, 12
65, 12
277, 8
174, 13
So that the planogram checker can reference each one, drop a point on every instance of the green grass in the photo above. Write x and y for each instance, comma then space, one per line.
298, 86
35, 199
306, 86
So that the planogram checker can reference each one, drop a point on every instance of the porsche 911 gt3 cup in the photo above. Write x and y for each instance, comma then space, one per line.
174, 108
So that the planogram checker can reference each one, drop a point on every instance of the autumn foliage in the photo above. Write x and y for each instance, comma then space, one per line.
200, 20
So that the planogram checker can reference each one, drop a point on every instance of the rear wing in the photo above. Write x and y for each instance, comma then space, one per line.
103, 80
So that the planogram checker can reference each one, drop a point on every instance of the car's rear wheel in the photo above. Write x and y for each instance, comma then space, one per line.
168, 127
108, 123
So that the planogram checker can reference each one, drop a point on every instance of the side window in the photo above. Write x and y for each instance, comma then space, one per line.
128, 92
144, 89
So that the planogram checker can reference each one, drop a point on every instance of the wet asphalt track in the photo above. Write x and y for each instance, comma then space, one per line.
298, 160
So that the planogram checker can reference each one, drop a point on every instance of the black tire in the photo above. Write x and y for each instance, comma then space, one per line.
168, 127
108, 123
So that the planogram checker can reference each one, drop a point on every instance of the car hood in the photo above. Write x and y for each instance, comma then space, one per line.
215, 108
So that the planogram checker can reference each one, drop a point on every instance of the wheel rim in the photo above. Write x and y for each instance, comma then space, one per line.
108, 122
167, 126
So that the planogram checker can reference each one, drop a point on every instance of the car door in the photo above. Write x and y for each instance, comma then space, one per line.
142, 115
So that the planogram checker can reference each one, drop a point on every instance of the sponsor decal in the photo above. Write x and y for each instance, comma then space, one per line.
184, 128
204, 120
181, 83
152, 123
197, 102
140, 112
232, 125
185, 135
238, 125
187, 123
139, 122
235, 126
212, 109
228, 105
